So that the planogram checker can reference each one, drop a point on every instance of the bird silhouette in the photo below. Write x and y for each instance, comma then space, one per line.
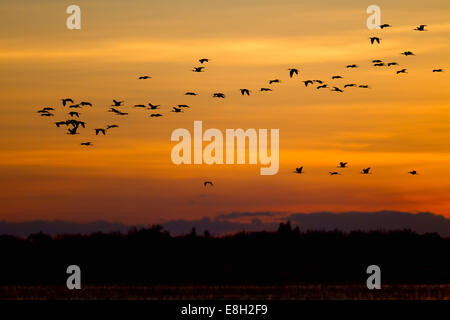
64, 101
421, 28
401, 71
408, 53
203, 60
60, 123
333, 173
206, 183
365, 171
80, 123
139, 106
75, 106
350, 85
190, 94
183, 106
266, 89
342, 165
74, 114
384, 25
438, 70
392, 64
47, 114
379, 64
219, 95
322, 86
153, 106
110, 126
85, 103
198, 69
86, 143
100, 130
352, 66
48, 109
156, 115
299, 170
306, 82
144, 77
245, 92
376, 61
274, 81
336, 89
117, 111
175, 109
363, 86
293, 71
117, 103
374, 39
72, 131
413, 172
336, 77
318, 81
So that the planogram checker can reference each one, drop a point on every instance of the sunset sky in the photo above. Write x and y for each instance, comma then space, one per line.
401, 123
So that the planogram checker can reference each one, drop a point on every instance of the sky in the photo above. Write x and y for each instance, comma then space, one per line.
401, 123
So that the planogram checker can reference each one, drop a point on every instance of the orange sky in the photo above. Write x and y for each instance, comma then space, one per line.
401, 123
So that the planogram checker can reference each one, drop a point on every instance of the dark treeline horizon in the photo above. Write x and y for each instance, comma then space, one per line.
145, 256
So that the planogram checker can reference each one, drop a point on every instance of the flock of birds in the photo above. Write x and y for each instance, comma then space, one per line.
73, 124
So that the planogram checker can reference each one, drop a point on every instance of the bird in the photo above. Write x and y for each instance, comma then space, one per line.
299, 170
342, 165
117, 103
79, 123
183, 106
293, 71
72, 130
42, 111
322, 86
306, 82
392, 64
86, 143
336, 77
139, 106
438, 70
198, 69
60, 123
175, 109
318, 81
245, 92
413, 173
333, 173
153, 106
336, 89
75, 106
85, 103
274, 81
352, 66
266, 89
47, 114
48, 109
117, 111
64, 101
407, 53
100, 130
421, 28
379, 64
219, 95
374, 39
202, 60
365, 171
376, 61
144, 77
384, 25
363, 86
156, 115
208, 182
110, 126
350, 85
401, 71
190, 94
74, 114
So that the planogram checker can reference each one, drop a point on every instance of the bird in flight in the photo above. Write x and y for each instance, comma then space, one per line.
64, 101
333, 173
392, 64
153, 106
86, 143
85, 103
350, 85
376, 61
206, 183
274, 81
190, 94
336, 89
336, 77
72, 130
110, 126
318, 81
245, 92
342, 165
408, 53
352, 66
219, 95
293, 71
100, 130
198, 69
299, 170
117, 111
139, 106
74, 114
47, 114
60, 123
421, 28
438, 70
413, 173
365, 171
75, 106
202, 60
117, 103
48, 109
401, 71
175, 109
322, 86
183, 106
156, 115
379, 64
363, 86
384, 25
374, 39
306, 82
266, 89
144, 77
